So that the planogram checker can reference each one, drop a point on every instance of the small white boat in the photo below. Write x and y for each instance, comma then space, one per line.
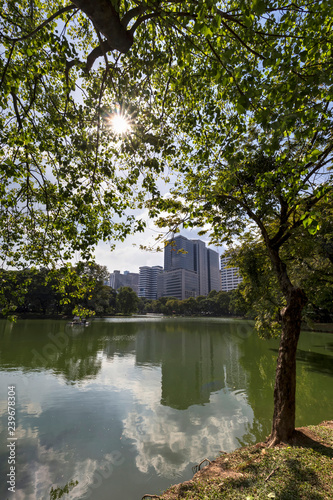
78, 322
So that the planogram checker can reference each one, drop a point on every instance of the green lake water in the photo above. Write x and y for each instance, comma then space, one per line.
128, 406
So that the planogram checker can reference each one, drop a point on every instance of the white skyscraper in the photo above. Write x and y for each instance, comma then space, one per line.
148, 281
230, 276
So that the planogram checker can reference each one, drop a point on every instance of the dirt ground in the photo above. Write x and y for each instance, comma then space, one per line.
304, 437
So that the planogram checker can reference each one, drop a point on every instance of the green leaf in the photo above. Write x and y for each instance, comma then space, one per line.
258, 6
240, 109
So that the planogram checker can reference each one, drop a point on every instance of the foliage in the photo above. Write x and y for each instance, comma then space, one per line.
65, 69
84, 294
60, 492
215, 304
309, 263
62, 186
13, 288
127, 300
77, 290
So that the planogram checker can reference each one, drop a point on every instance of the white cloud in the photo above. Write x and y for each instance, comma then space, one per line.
168, 440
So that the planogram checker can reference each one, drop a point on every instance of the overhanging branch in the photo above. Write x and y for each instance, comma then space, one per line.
41, 26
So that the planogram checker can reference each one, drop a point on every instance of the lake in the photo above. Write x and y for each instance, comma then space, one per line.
128, 406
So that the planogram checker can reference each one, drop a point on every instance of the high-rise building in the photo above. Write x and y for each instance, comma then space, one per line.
190, 269
179, 254
230, 276
178, 283
118, 280
201, 265
214, 276
148, 281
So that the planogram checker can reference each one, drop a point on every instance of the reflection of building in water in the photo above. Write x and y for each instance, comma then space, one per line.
194, 363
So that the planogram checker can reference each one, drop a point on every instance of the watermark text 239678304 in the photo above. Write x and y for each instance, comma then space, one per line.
11, 481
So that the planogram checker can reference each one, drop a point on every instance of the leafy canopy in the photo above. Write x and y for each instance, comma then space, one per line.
206, 84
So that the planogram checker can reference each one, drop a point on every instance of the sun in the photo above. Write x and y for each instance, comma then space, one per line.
120, 124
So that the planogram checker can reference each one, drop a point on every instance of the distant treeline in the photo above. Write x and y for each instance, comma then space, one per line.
214, 304
80, 290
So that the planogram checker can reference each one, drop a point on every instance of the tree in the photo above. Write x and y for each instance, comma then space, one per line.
279, 194
222, 303
189, 306
102, 300
172, 306
308, 258
254, 154
14, 287
99, 298
41, 297
127, 300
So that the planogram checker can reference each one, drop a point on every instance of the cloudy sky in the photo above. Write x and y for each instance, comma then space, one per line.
127, 255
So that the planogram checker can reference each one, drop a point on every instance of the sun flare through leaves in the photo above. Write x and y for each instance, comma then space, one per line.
120, 123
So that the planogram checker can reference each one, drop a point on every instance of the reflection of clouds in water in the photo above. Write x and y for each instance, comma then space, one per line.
168, 440
3, 408
20, 495
40, 474
31, 408
143, 382
126, 397
53, 458
26, 433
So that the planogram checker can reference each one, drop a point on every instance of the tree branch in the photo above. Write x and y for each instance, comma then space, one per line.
321, 158
254, 52
227, 16
97, 52
137, 11
142, 20
18, 117
224, 66
106, 19
41, 26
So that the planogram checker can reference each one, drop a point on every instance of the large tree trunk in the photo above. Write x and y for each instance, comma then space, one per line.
285, 380
106, 20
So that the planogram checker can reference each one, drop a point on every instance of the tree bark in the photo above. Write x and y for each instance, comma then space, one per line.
106, 20
283, 426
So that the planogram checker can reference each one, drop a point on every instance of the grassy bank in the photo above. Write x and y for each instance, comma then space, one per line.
300, 470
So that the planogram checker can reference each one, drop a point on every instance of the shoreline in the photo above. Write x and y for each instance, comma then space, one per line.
316, 327
299, 469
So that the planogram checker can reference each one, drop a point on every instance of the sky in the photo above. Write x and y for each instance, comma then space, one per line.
127, 255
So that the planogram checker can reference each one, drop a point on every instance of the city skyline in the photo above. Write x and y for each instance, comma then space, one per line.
190, 269
127, 257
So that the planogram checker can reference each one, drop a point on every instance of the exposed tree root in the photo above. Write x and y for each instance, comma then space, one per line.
196, 468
